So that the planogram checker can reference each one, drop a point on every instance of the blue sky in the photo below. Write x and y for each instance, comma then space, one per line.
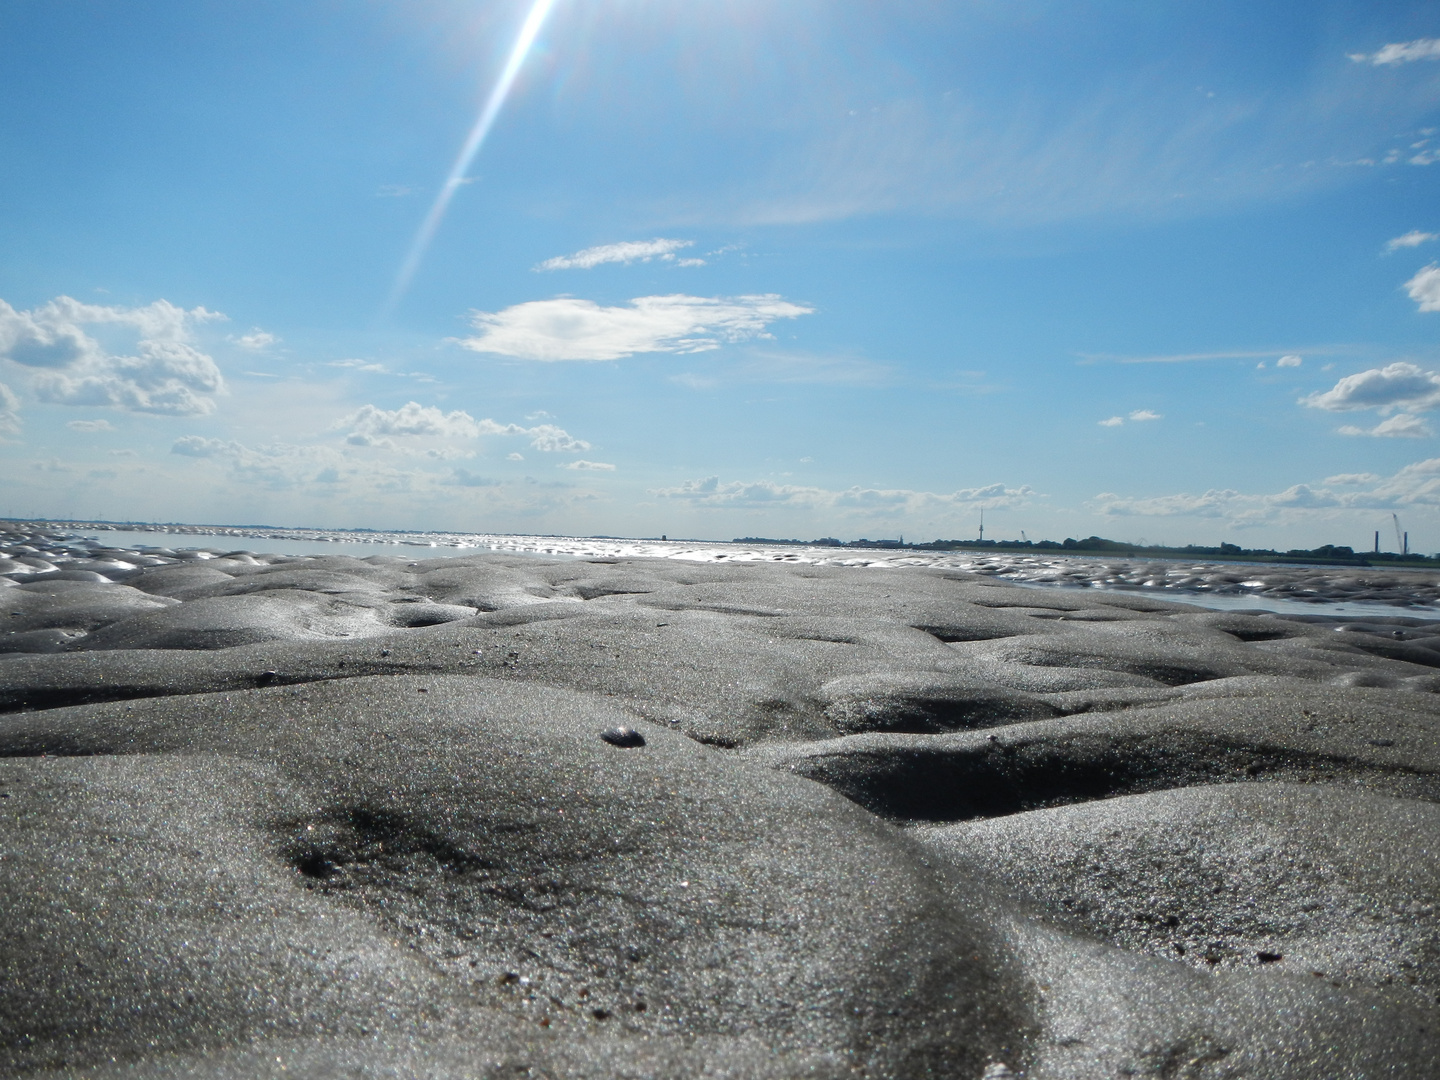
1152, 271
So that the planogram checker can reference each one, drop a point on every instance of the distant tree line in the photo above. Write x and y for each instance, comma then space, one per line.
1326, 553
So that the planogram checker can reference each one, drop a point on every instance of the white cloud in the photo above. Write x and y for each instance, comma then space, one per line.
1353, 479
90, 425
626, 251
165, 373
465, 478
1401, 53
395, 191
1415, 485
1114, 421
199, 446
372, 426
571, 329
1424, 288
256, 340
863, 502
595, 466
369, 425
9, 411
1140, 415
359, 365
512, 456
1400, 426
551, 439
1413, 238
1289, 361
1394, 387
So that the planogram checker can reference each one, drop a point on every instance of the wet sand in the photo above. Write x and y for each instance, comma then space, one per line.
269, 815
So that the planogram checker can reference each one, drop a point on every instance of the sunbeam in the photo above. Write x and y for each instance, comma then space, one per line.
486, 120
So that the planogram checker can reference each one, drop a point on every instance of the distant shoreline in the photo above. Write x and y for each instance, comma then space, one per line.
1091, 547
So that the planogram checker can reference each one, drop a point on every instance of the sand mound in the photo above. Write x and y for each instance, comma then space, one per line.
345, 817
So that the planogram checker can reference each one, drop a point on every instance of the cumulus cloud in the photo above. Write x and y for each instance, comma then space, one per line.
550, 438
571, 329
369, 425
90, 425
512, 456
1424, 288
1400, 426
256, 340
1395, 387
67, 365
1114, 421
868, 502
199, 446
592, 466
373, 426
627, 251
9, 411
1401, 53
1415, 485
1413, 238
1289, 361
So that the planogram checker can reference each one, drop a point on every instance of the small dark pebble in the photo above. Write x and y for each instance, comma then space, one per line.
600, 1014
1268, 957
510, 978
267, 677
1382, 742
623, 736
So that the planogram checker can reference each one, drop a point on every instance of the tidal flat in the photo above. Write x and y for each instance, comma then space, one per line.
605, 812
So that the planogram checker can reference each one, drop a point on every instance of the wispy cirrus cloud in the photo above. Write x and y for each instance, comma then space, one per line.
567, 328
1139, 416
625, 252
1403, 52
1277, 355
1413, 238
589, 466
66, 363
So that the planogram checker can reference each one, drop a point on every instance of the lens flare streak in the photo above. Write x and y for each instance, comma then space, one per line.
486, 120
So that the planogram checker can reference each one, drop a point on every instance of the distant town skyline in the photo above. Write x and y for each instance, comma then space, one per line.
1165, 274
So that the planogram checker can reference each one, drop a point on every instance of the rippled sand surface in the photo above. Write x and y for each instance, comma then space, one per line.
725, 812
